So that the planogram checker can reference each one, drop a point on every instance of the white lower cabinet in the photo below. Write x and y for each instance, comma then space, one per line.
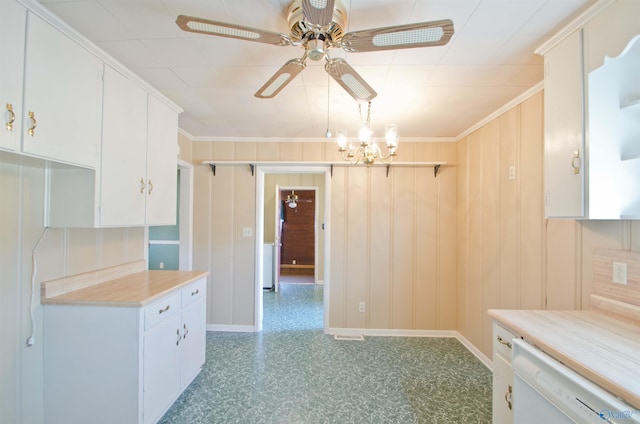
115, 364
502, 375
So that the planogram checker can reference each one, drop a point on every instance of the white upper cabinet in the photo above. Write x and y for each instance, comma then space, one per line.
62, 104
123, 175
162, 156
139, 156
591, 127
136, 181
12, 32
564, 151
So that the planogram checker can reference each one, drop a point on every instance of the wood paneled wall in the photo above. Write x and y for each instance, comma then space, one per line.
500, 219
392, 239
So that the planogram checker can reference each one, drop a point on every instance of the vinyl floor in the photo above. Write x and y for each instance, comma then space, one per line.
293, 373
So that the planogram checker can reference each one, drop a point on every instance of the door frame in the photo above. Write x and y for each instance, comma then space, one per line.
185, 258
259, 234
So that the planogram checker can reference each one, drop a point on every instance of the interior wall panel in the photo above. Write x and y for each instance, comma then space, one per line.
380, 294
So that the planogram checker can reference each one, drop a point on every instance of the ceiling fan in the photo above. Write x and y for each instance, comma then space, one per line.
317, 26
293, 200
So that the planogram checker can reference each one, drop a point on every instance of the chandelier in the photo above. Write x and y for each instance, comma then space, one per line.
368, 150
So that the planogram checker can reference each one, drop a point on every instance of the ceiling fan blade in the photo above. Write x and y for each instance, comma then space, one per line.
224, 29
318, 12
280, 79
424, 34
350, 80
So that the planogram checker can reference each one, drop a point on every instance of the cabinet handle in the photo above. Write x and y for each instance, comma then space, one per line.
504, 342
186, 331
142, 185
179, 337
150, 187
575, 162
508, 396
165, 309
34, 124
12, 117
195, 292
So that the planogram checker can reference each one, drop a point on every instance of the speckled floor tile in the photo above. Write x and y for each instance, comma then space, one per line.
293, 373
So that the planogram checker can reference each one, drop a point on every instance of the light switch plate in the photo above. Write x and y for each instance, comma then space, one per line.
247, 232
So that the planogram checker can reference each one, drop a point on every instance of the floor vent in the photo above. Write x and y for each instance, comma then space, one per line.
357, 337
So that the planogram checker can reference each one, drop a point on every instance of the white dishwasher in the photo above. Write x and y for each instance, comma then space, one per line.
546, 391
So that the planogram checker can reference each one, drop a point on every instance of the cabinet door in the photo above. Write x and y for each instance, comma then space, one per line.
193, 342
123, 182
63, 93
12, 34
564, 129
162, 163
502, 391
161, 378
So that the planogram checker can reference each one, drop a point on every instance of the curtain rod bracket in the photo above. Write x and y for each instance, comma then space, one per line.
253, 167
435, 170
213, 168
331, 171
388, 167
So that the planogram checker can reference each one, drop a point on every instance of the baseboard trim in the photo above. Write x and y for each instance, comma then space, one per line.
476, 352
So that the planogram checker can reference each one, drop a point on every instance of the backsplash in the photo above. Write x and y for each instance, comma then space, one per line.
613, 298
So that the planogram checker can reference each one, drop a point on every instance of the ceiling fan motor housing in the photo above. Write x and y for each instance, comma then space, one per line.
301, 30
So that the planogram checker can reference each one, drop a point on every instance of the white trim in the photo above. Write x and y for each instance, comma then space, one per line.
164, 242
232, 328
185, 253
573, 26
510, 105
354, 332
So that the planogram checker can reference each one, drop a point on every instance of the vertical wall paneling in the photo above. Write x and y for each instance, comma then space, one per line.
529, 175
381, 267
492, 219
447, 216
509, 208
357, 235
339, 262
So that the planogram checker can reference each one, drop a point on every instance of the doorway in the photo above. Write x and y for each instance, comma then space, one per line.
268, 205
296, 235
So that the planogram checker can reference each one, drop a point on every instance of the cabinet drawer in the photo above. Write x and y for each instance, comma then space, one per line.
194, 292
502, 339
160, 310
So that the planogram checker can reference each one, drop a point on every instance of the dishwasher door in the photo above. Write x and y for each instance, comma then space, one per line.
544, 390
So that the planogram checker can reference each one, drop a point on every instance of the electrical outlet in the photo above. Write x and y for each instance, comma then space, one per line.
512, 172
361, 307
161, 265
620, 273
247, 231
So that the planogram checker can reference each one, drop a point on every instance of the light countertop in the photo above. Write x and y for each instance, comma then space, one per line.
132, 290
599, 347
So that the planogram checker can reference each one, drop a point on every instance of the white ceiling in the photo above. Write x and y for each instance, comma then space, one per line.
429, 92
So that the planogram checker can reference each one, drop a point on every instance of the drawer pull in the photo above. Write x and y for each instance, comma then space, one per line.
165, 309
12, 117
150, 187
508, 397
195, 292
34, 124
504, 342
142, 185
179, 337
186, 331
